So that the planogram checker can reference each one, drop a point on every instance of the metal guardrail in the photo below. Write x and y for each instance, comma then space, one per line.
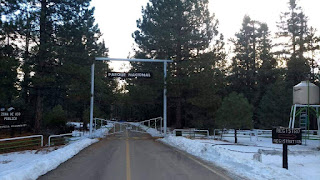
257, 133
192, 132
137, 127
152, 123
117, 127
20, 142
142, 126
60, 135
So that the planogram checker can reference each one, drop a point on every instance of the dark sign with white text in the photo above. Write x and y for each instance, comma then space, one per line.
11, 118
9, 114
289, 136
129, 74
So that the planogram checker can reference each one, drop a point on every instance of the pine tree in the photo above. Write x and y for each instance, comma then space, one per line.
178, 30
267, 69
26, 21
253, 68
267, 72
206, 87
44, 61
274, 107
9, 52
59, 43
150, 104
235, 112
294, 29
313, 47
244, 65
77, 46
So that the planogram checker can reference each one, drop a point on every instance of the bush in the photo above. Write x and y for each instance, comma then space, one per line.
56, 118
235, 112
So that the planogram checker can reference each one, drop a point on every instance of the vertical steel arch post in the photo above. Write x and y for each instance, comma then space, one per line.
165, 98
91, 99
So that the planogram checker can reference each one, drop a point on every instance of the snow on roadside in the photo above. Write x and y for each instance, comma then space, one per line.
303, 160
229, 160
102, 132
29, 165
33, 165
153, 132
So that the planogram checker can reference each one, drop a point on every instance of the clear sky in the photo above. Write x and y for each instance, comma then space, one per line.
117, 18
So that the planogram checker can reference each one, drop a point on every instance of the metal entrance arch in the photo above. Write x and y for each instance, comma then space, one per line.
133, 60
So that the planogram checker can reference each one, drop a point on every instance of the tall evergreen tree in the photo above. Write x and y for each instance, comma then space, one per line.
235, 112
253, 67
313, 48
268, 62
293, 29
59, 43
76, 46
267, 72
9, 52
274, 107
27, 23
178, 30
244, 65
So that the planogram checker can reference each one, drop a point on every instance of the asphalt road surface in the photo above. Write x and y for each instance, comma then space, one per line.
134, 156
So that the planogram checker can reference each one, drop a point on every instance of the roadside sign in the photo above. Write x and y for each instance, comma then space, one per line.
9, 114
10, 118
289, 136
286, 136
129, 74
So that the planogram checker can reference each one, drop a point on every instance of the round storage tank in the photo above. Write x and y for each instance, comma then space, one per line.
300, 93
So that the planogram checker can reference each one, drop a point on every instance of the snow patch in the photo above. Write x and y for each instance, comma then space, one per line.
29, 165
153, 132
238, 159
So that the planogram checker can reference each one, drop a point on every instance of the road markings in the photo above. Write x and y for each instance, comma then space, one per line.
128, 158
132, 138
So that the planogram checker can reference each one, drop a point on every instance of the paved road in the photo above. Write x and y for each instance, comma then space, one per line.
133, 156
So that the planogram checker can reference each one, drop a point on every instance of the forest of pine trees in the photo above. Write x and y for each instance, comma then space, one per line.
47, 47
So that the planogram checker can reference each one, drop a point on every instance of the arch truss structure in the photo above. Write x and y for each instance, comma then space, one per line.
133, 60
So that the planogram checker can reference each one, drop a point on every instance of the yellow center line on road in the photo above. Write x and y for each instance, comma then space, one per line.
128, 158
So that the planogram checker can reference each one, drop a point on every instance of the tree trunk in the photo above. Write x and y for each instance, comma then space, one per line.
178, 114
235, 136
26, 77
41, 61
178, 88
293, 35
39, 110
254, 52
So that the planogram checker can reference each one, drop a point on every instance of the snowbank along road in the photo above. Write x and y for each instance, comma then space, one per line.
134, 156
